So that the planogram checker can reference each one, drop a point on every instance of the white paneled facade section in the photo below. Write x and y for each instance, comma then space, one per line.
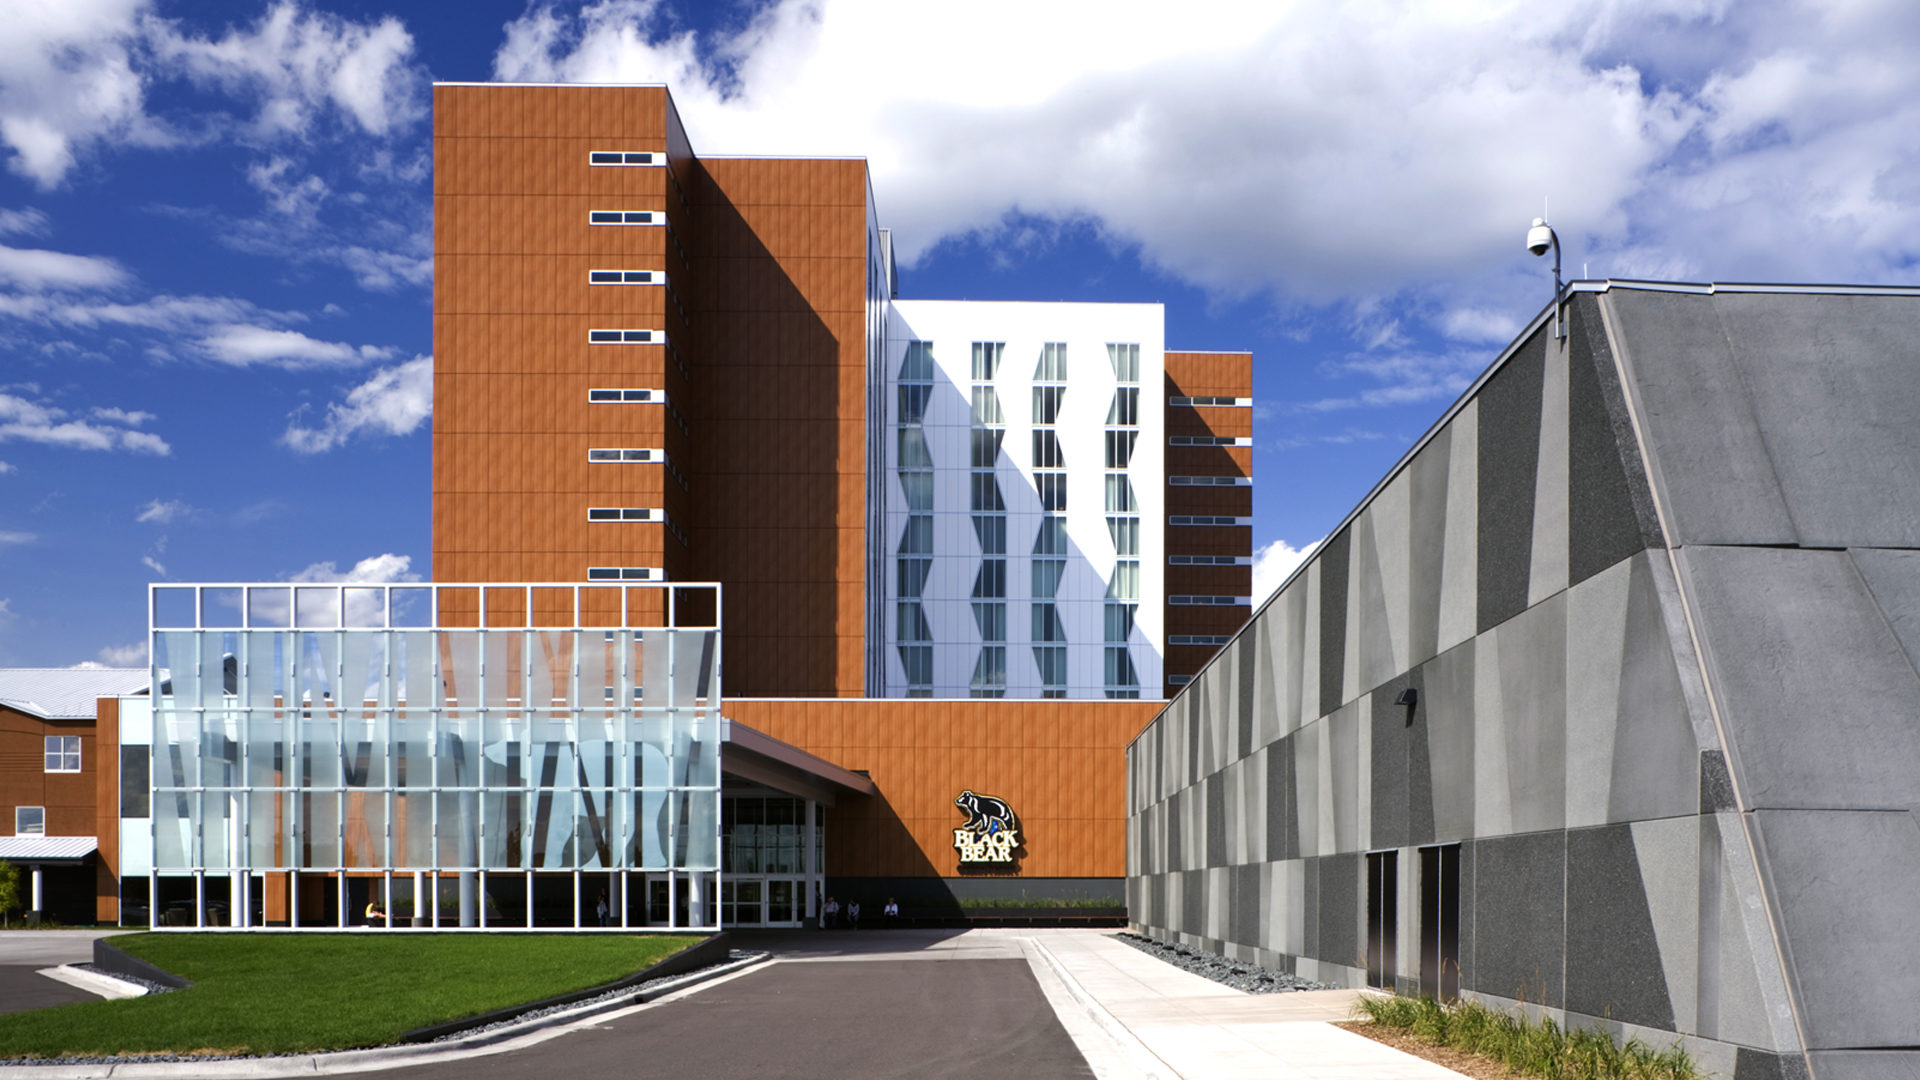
949, 428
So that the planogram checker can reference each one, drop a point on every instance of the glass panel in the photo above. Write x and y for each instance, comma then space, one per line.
366, 607
174, 607
321, 816
593, 845
366, 829
413, 820
172, 822
700, 817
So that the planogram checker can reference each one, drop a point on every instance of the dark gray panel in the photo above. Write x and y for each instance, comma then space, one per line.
1280, 801
1815, 688
1519, 933
1177, 809
1447, 716
1310, 908
1246, 665
1834, 394
1388, 767
1467, 878
1716, 786
1613, 959
1419, 764
1751, 1064
1339, 910
1509, 461
1844, 884
1216, 795
1333, 619
1193, 907
1700, 427
1427, 525
1243, 913
1609, 507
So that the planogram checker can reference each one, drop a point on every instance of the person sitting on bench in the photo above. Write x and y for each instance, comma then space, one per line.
375, 916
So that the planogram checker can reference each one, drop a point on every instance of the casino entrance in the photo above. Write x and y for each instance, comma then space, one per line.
773, 802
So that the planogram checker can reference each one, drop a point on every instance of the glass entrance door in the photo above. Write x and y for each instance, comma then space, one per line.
760, 900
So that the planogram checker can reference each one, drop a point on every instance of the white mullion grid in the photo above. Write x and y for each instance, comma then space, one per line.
530, 793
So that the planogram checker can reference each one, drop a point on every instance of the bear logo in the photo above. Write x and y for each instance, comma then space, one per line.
986, 815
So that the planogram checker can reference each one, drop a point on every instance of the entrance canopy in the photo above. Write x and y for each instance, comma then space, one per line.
46, 849
750, 755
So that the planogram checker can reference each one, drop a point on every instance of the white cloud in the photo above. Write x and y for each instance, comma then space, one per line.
163, 512
29, 268
1273, 564
394, 401
134, 655
244, 346
16, 538
152, 564
374, 568
50, 425
131, 418
69, 81
1326, 151
301, 65
1403, 377
27, 222
6, 468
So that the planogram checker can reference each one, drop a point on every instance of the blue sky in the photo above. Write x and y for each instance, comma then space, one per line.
215, 221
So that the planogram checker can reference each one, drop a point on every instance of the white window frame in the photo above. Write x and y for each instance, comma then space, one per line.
628, 277
627, 158
627, 217
62, 753
627, 337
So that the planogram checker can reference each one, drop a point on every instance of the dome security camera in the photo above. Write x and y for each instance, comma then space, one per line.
1540, 237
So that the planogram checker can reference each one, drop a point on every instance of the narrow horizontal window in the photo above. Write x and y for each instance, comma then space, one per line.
623, 454
627, 157
626, 337
1202, 399
1199, 639
1210, 481
624, 277
1209, 560
625, 397
1207, 519
625, 573
1179, 680
626, 217
1208, 440
1208, 601
622, 513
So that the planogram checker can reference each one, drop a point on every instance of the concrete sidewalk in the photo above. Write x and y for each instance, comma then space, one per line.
1166, 1023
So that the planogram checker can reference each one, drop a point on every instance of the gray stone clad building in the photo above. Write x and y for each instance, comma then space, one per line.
1604, 699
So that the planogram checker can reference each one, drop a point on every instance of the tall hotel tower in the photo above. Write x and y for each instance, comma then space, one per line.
655, 366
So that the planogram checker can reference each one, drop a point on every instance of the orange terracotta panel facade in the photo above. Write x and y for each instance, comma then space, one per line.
1205, 378
1061, 765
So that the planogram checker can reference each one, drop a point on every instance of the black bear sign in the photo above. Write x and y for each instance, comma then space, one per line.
991, 833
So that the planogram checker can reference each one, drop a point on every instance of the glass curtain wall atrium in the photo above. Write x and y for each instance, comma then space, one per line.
443, 756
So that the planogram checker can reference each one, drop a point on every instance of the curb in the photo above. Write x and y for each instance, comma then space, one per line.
94, 982
381, 1057
1149, 1063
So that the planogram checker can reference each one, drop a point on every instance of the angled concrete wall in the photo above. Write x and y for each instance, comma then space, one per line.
1653, 590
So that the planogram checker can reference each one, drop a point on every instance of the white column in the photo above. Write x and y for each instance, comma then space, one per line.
36, 887
419, 897
807, 861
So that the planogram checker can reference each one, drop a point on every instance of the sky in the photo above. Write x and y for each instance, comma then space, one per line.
216, 238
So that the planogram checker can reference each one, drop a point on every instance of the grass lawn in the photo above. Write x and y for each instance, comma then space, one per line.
289, 993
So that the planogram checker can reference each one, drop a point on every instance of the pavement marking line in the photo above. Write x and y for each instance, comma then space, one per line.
1145, 1063
374, 1059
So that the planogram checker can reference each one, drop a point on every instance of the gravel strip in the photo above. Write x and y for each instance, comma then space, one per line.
1235, 973
152, 987
614, 995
